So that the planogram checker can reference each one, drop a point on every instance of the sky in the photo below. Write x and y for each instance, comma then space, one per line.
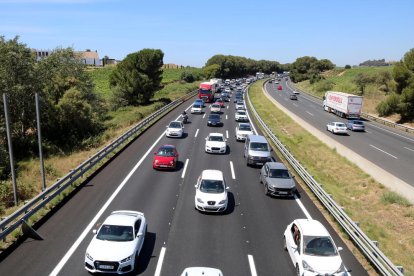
190, 32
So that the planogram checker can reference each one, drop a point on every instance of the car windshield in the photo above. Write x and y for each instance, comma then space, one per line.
274, 173
165, 152
357, 123
241, 112
319, 246
212, 186
213, 117
245, 127
174, 125
196, 106
204, 92
215, 138
258, 146
116, 233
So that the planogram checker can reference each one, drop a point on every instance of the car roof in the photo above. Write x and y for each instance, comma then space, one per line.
214, 115
257, 138
212, 175
311, 227
276, 165
168, 146
123, 217
244, 124
337, 123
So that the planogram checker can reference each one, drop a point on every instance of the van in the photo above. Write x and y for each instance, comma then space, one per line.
257, 150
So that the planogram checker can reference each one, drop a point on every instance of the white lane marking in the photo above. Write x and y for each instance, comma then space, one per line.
88, 228
196, 133
295, 104
233, 175
227, 134
383, 151
252, 266
371, 124
368, 131
204, 115
185, 168
409, 149
308, 216
227, 107
160, 261
309, 113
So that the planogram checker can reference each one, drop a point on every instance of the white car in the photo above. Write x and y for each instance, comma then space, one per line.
201, 271
312, 250
117, 243
295, 92
215, 108
175, 129
337, 127
242, 131
215, 143
197, 108
211, 192
241, 116
240, 105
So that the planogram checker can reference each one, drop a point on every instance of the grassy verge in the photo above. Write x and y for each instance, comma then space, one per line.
384, 216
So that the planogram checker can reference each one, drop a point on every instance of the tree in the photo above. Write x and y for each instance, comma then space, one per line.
389, 106
383, 79
362, 80
138, 76
211, 71
187, 77
409, 60
347, 66
401, 75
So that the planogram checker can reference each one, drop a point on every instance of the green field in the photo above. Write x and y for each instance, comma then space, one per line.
383, 215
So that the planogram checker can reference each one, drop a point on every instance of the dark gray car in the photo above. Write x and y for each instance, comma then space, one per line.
277, 180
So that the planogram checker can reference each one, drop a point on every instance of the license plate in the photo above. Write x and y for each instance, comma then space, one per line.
259, 163
106, 266
283, 193
163, 166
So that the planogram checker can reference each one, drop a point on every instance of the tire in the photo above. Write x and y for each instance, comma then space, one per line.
297, 270
284, 244
260, 178
266, 189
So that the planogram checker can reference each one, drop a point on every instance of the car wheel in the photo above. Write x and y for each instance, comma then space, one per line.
284, 243
297, 270
266, 189
260, 177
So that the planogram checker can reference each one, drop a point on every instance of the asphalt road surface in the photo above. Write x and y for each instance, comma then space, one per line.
246, 240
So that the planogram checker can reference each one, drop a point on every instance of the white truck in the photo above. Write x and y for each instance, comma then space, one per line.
343, 104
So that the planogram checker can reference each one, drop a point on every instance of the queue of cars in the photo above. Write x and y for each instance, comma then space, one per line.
117, 243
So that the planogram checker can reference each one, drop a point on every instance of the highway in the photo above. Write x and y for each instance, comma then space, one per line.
388, 148
246, 240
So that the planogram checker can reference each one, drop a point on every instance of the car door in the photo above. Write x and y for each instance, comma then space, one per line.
265, 172
140, 225
292, 248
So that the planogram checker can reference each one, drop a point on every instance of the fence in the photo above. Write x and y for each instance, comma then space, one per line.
368, 247
15, 220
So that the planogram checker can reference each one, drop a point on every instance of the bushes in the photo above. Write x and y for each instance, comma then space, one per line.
389, 106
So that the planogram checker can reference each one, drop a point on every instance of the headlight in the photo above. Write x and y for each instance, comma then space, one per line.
307, 267
172, 162
89, 256
199, 200
342, 268
223, 201
126, 259
156, 161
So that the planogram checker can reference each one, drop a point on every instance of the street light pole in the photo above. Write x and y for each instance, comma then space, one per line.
39, 139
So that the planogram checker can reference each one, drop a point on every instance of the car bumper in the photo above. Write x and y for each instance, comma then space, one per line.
174, 134
163, 166
357, 128
340, 131
214, 124
216, 150
258, 160
217, 208
274, 191
108, 267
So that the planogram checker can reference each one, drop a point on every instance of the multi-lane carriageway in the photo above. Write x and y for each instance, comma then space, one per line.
246, 240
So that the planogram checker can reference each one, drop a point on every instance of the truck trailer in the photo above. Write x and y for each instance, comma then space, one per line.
343, 104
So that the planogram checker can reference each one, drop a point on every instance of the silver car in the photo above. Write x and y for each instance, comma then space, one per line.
277, 180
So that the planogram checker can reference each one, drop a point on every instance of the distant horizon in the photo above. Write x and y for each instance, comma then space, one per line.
346, 33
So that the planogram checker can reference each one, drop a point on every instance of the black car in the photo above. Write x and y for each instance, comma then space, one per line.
293, 97
214, 120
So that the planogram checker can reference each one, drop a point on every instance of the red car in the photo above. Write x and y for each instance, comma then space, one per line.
166, 157
220, 102
279, 87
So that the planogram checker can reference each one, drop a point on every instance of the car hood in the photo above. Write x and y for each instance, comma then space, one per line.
164, 159
174, 129
259, 153
110, 251
241, 115
323, 265
285, 183
245, 132
216, 144
211, 197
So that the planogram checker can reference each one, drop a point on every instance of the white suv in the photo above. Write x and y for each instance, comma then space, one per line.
241, 116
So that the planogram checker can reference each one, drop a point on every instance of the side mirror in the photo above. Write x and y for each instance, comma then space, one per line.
206, 138
94, 231
340, 249
227, 188
195, 186
139, 235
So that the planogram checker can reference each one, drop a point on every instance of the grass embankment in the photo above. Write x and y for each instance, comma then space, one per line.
383, 215
343, 81
28, 174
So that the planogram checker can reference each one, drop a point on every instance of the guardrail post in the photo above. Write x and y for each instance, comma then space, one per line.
375, 243
400, 268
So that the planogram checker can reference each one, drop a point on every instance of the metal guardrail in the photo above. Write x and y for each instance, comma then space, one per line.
15, 220
365, 244
363, 114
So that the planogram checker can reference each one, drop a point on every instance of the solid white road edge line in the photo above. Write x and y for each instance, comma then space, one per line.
383, 151
88, 228
185, 168
248, 116
252, 266
196, 133
160, 261
308, 216
233, 175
